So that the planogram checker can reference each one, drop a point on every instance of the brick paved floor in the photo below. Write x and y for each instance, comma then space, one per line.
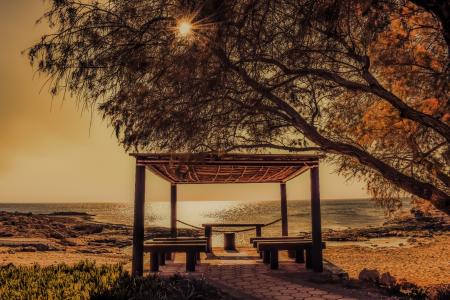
244, 276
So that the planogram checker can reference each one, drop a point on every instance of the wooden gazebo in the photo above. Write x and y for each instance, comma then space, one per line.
225, 168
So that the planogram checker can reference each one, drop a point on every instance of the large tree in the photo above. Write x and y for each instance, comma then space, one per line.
365, 81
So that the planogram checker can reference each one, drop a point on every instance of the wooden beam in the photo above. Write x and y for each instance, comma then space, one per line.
316, 251
280, 163
284, 218
137, 267
296, 173
157, 172
173, 210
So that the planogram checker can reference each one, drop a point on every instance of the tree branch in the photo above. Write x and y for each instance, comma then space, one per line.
422, 189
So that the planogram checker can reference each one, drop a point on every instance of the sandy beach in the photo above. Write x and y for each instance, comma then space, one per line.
26, 239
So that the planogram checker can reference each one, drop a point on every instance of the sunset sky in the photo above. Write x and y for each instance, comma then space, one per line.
51, 151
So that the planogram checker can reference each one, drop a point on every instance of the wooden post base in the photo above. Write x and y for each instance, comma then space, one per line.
229, 241
308, 258
266, 257
154, 262
273, 259
191, 260
299, 256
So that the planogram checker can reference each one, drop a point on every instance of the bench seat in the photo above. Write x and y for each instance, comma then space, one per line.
159, 249
285, 245
276, 238
270, 251
181, 238
256, 242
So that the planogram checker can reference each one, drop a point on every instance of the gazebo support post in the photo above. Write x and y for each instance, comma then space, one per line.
173, 210
284, 218
316, 253
137, 267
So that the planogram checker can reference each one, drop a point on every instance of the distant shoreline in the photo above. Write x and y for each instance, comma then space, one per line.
181, 200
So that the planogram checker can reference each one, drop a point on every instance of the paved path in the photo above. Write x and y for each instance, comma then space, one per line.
244, 276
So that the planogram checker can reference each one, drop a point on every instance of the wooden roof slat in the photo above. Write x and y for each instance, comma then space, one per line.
242, 174
217, 173
227, 168
262, 178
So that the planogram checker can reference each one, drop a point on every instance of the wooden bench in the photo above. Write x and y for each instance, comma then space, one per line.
299, 255
274, 238
158, 249
270, 251
209, 227
181, 239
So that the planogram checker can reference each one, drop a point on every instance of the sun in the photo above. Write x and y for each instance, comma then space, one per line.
184, 28
189, 28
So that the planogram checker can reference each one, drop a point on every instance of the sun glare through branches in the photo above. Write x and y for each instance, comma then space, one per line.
189, 27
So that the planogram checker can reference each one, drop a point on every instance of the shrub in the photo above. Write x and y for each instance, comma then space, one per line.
85, 280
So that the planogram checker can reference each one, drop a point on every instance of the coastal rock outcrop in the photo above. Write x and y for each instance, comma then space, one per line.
369, 275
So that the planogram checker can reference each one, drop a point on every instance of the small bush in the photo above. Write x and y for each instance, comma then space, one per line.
85, 280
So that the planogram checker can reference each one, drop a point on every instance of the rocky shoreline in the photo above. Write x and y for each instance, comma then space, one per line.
423, 222
59, 231
63, 231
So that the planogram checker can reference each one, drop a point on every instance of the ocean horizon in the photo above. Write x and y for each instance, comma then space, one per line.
337, 214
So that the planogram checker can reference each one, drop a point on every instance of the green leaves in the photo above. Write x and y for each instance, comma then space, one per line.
85, 280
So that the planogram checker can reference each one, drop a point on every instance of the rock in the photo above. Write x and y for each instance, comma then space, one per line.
352, 284
45, 247
57, 235
93, 251
67, 242
27, 249
89, 228
369, 275
440, 291
387, 279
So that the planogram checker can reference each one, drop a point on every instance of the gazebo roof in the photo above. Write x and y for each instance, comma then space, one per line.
187, 168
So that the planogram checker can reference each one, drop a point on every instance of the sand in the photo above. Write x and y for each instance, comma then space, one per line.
425, 265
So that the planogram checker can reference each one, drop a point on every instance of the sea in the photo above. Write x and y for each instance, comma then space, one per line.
336, 214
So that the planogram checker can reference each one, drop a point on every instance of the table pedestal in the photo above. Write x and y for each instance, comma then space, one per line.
229, 241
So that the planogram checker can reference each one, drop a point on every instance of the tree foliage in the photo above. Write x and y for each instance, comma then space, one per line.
366, 81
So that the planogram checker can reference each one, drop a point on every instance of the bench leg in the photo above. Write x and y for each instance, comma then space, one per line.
258, 231
273, 259
168, 255
197, 257
260, 254
308, 258
154, 262
191, 258
162, 259
266, 257
299, 256
208, 235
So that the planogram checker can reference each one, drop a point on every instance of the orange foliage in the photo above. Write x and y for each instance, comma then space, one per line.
381, 119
